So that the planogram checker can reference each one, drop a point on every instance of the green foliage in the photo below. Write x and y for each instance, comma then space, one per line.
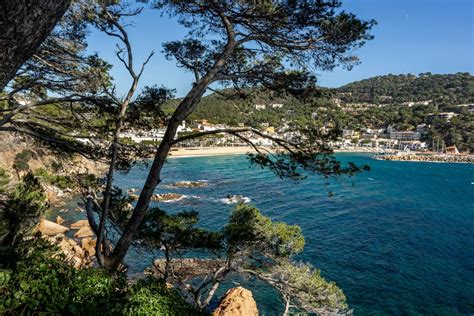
443, 89
20, 213
4, 179
304, 286
60, 181
152, 297
249, 229
458, 131
39, 284
177, 232
20, 163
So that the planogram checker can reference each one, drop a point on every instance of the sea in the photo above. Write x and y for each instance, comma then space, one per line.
398, 239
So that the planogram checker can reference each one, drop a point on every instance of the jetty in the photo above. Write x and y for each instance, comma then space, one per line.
423, 157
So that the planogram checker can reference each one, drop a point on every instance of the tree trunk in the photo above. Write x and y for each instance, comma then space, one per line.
24, 25
184, 109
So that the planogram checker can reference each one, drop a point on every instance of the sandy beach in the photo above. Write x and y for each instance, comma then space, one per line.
222, 151
209, 151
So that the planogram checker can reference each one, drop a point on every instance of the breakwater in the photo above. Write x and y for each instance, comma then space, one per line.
428, 158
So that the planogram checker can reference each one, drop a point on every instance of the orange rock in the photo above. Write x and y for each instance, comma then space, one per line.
49, 228
79, 224
237, 302
59, 220
84, 231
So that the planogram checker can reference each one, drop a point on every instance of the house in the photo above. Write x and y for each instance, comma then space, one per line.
451, 150
402, 135
260, 106
270, 129
277, 105
447, 116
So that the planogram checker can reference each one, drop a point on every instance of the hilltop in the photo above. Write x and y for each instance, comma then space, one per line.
441, 90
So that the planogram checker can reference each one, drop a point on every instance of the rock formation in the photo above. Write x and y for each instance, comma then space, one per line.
190, 184
166, 197
83, 232
79, 224
237, 301
49, 228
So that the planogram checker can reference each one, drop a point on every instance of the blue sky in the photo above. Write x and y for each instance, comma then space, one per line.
412, 36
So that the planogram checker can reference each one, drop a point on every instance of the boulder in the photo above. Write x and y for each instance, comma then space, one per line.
134, 197
190, 184
49, 228
84, 231
237, 301
79, 251
166, 197
72, 242
59, 220
88, 245
79, 224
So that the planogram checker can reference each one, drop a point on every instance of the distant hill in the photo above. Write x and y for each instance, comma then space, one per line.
443, 90
394, 90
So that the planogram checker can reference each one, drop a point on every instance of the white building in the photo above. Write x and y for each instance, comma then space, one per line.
260, 107
277, 105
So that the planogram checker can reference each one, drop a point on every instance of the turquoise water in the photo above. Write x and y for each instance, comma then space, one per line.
398, 240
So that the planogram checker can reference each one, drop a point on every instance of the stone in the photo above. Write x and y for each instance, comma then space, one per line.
84, 231
59, 220
49, 228
166, 197
134, 197
72, 242
79, 251
76, 262
79, 224
90, 250
237, 301
85, 242
190, 184
88, 245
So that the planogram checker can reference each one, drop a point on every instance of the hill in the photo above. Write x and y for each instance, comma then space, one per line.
393, 92
443, 90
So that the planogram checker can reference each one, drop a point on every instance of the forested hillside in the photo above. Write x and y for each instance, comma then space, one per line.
444, 90
392, 91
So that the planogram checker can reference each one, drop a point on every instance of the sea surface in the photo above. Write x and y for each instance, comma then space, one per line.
398, 240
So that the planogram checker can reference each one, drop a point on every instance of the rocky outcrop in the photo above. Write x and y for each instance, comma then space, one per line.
133, 196
167, 197
237, 301
190, 184
78, 253
70, 251
49, 228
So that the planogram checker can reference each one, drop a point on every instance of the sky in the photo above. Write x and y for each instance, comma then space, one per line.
412, 36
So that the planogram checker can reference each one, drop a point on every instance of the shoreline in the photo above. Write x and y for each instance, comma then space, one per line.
186, 152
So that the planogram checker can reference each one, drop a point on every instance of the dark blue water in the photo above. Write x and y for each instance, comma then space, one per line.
398, 240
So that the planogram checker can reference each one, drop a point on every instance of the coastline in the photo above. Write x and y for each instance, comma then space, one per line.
183, 152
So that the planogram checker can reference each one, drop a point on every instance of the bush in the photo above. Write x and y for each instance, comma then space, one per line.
152, 297
39, 284
60, 181
20, 163
4, 179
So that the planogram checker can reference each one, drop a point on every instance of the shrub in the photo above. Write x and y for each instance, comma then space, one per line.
20, 163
